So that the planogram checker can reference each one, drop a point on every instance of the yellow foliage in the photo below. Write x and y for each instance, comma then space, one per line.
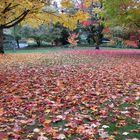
67, 4
12, 9
81, 16
87, 3
70, 21
99, 11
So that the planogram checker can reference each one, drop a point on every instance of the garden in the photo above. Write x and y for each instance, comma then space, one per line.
69, 70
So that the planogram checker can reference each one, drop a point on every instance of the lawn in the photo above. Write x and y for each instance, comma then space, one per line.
59, 49
70, 94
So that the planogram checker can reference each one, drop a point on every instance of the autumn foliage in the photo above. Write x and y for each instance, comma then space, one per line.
73, 39
131, 43
79, 95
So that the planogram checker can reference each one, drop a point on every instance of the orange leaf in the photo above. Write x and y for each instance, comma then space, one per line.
1, 111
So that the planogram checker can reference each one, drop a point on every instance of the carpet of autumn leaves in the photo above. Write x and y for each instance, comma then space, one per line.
72, 95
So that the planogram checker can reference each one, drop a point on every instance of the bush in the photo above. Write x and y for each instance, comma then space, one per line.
120, 32
9, 42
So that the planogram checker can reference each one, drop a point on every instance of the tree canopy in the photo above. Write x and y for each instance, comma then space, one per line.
123, 12
36, 12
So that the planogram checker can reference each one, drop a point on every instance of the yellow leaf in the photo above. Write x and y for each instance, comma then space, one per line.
111, 137
47, 111
47, 122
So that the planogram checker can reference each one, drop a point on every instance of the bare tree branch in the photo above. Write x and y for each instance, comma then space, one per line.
15, 21
6, 8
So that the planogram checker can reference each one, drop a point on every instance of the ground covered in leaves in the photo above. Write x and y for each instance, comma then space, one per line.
72, 95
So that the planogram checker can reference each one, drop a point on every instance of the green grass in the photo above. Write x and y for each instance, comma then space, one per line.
127, 128
55, 49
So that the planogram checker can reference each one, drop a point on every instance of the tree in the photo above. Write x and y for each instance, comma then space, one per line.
13, 12
16, 32
95, 22
64, 36
122, 13
38, 34
73, 39
53, 34
35, 12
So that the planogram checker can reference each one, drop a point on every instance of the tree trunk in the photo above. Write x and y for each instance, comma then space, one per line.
1, 42
18, 43
97, 41
97, 47
139, 43
98, 36
38, 43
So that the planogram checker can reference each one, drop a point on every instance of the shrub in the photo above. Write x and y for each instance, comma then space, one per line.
72, 39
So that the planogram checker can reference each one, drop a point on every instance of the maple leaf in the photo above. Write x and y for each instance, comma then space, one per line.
42, 137
61, 137
61, 84
103, 134
36, 130
105, 126
125, 133
47, 123
1, 111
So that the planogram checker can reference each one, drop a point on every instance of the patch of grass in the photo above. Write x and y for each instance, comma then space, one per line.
60, 123
55, 49
112, 128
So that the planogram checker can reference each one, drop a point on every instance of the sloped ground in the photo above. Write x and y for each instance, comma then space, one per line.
72, 95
